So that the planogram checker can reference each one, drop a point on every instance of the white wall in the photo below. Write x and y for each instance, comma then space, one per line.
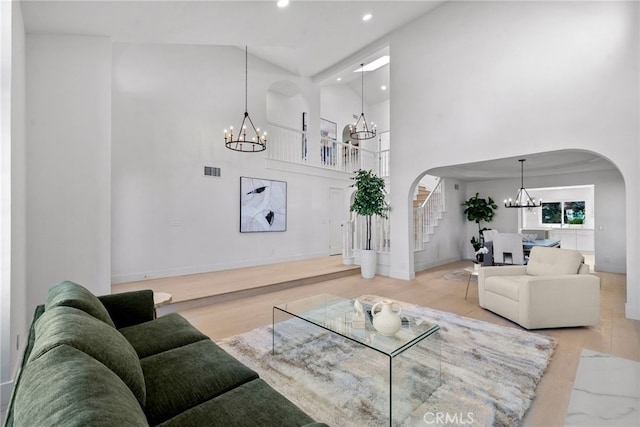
170, 105
499, 79
286, 110
69, 158
13, 316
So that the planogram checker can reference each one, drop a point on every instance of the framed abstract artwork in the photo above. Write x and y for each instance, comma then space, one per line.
263, 205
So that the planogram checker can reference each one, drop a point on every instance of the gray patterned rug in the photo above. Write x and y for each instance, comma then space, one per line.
489, 373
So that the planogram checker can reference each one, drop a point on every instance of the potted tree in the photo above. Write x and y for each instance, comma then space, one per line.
477, 210
368, 200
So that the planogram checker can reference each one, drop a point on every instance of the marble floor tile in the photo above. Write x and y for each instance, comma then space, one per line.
606, 392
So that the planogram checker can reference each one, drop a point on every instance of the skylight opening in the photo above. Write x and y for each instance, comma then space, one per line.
374, 65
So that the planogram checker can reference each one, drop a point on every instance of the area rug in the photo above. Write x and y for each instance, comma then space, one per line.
488, 372
459, 275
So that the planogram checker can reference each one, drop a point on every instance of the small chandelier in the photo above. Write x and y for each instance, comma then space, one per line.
254, 144
364, 132
523, 199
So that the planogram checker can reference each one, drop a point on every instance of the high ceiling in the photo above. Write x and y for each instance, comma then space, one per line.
318, 39
322, 40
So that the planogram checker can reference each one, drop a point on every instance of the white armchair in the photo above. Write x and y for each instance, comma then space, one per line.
554, 290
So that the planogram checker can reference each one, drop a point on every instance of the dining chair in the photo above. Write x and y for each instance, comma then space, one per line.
507, 249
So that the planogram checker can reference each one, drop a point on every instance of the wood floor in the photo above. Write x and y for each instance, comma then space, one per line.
436, 289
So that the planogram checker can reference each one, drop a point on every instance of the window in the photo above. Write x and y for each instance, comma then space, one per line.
561, 213
573, 212
551, 213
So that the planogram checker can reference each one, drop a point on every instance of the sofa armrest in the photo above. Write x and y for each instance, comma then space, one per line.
130, 308
584, 269
568, 300
506, 270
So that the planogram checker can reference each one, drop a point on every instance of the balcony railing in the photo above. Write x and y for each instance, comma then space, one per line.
293, 145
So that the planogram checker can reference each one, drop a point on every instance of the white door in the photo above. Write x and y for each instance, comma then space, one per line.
336, 207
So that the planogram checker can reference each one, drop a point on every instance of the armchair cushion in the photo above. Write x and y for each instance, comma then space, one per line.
545, 261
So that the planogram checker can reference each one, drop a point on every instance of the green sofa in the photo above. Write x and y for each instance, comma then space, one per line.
108, 361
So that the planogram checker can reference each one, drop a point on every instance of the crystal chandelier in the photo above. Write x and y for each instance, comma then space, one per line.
360, 130
523, 199
242, 142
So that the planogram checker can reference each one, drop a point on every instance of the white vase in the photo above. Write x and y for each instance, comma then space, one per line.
368, 263
386, 321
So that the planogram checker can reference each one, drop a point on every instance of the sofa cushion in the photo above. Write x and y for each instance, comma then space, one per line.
71, 294
66, 387
187, 376
161, 334
545, 261
252, 404
506, 286
75, 328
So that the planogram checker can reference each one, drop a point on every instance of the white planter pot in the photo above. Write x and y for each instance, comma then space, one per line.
368, 263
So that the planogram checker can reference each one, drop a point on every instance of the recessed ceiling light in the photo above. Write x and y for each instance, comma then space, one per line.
383, 87
367, 17
338, 79
283, 3
374, 65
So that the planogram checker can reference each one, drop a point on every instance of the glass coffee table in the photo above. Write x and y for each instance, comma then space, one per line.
338, 316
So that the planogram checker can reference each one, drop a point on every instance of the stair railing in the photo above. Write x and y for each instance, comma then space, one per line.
427, 215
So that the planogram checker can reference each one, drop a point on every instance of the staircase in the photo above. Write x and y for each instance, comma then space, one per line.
427, 213
421, 196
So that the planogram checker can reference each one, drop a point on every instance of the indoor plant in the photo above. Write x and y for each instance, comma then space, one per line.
479, 209
368, 200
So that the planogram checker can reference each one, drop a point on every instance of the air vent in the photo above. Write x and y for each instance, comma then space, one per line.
211, 171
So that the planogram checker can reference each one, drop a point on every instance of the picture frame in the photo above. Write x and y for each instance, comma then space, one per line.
328, 130
263, 205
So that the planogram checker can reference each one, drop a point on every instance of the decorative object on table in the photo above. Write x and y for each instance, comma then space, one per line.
254, 143
523, 199
529, 237
358, 321
263, 205
368, 200
386, 321
478, 209
480, 253
329, 377
360, 130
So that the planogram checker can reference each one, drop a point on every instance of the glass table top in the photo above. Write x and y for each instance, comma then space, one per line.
339, 315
